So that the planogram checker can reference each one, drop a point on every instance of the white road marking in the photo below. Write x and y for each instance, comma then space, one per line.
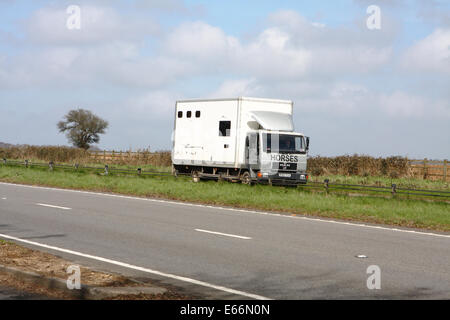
353, 224
223, 234
3, 198
52, 206
130, 266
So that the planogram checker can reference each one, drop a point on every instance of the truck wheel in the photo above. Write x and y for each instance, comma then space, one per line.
246, 178
195, 176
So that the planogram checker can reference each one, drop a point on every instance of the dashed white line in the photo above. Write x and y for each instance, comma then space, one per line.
223, 234
130, 266
52, 206
3, 198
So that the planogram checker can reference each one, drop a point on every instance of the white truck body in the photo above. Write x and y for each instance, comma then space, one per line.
214, 134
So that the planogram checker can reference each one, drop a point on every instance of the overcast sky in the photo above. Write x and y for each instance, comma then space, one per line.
378, 92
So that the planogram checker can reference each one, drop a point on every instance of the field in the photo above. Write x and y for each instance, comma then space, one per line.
416, 213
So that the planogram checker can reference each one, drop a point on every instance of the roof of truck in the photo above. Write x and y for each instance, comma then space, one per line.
239, 98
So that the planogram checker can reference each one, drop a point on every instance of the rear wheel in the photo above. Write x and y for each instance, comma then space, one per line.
195, 176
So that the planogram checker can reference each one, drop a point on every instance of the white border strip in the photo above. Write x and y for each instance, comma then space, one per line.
130, 266
223, 234
361, 225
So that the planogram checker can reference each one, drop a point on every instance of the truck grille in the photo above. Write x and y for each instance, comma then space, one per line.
285, 166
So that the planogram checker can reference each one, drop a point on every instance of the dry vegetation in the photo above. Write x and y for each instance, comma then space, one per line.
45, 153
60, 154
394, 167
141, 157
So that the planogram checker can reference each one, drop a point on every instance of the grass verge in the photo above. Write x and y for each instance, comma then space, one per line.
434, 215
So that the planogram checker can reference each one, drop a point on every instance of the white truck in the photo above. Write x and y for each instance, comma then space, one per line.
251, 140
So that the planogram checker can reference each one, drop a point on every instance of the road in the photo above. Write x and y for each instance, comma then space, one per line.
227, 253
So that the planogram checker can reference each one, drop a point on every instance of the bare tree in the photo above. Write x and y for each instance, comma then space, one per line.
82, 127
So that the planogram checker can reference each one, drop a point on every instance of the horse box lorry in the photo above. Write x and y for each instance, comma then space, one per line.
251, 140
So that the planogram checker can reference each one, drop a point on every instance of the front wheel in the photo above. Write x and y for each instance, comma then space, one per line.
246, 178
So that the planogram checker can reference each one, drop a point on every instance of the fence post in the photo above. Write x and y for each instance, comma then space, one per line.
325, 184
50, 165
76, 166
425, 173
26, 163
106, 169
394, 189
445, 171
139, 170
4, 160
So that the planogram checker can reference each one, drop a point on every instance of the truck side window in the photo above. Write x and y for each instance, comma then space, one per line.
257, 144
188, 114
224, 128
180, 114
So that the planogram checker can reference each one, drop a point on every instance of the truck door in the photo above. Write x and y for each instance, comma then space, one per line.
225, 146
252, 150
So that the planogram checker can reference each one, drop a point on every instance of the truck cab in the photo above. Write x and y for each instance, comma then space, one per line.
277, 157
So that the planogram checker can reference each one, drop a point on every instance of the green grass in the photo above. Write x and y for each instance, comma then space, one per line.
402, 212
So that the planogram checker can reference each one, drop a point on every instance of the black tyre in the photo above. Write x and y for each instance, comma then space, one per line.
246, 178
195, 176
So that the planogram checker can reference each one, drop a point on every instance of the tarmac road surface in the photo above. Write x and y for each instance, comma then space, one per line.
228, 253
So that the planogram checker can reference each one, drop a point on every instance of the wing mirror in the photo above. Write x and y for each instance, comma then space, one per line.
307, 143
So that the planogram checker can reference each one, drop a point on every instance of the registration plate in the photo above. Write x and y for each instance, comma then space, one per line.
285, 175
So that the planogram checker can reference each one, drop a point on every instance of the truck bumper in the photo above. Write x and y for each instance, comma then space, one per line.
282, 178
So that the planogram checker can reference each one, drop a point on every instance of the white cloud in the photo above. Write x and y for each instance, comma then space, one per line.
405, 105
109, 49
237, 88
277, 52
98, 24
340, 99
151, 105
430, 54
291, 58
200, 42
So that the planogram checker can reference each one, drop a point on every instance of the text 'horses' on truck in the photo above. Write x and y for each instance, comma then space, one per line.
243, 139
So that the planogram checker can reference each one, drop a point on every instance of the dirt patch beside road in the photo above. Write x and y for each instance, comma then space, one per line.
49, 266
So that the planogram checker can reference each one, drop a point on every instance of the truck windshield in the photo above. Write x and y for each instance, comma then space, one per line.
283, 143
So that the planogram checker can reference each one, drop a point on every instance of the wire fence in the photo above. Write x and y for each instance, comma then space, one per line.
76, 167
326, 186
393, 189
